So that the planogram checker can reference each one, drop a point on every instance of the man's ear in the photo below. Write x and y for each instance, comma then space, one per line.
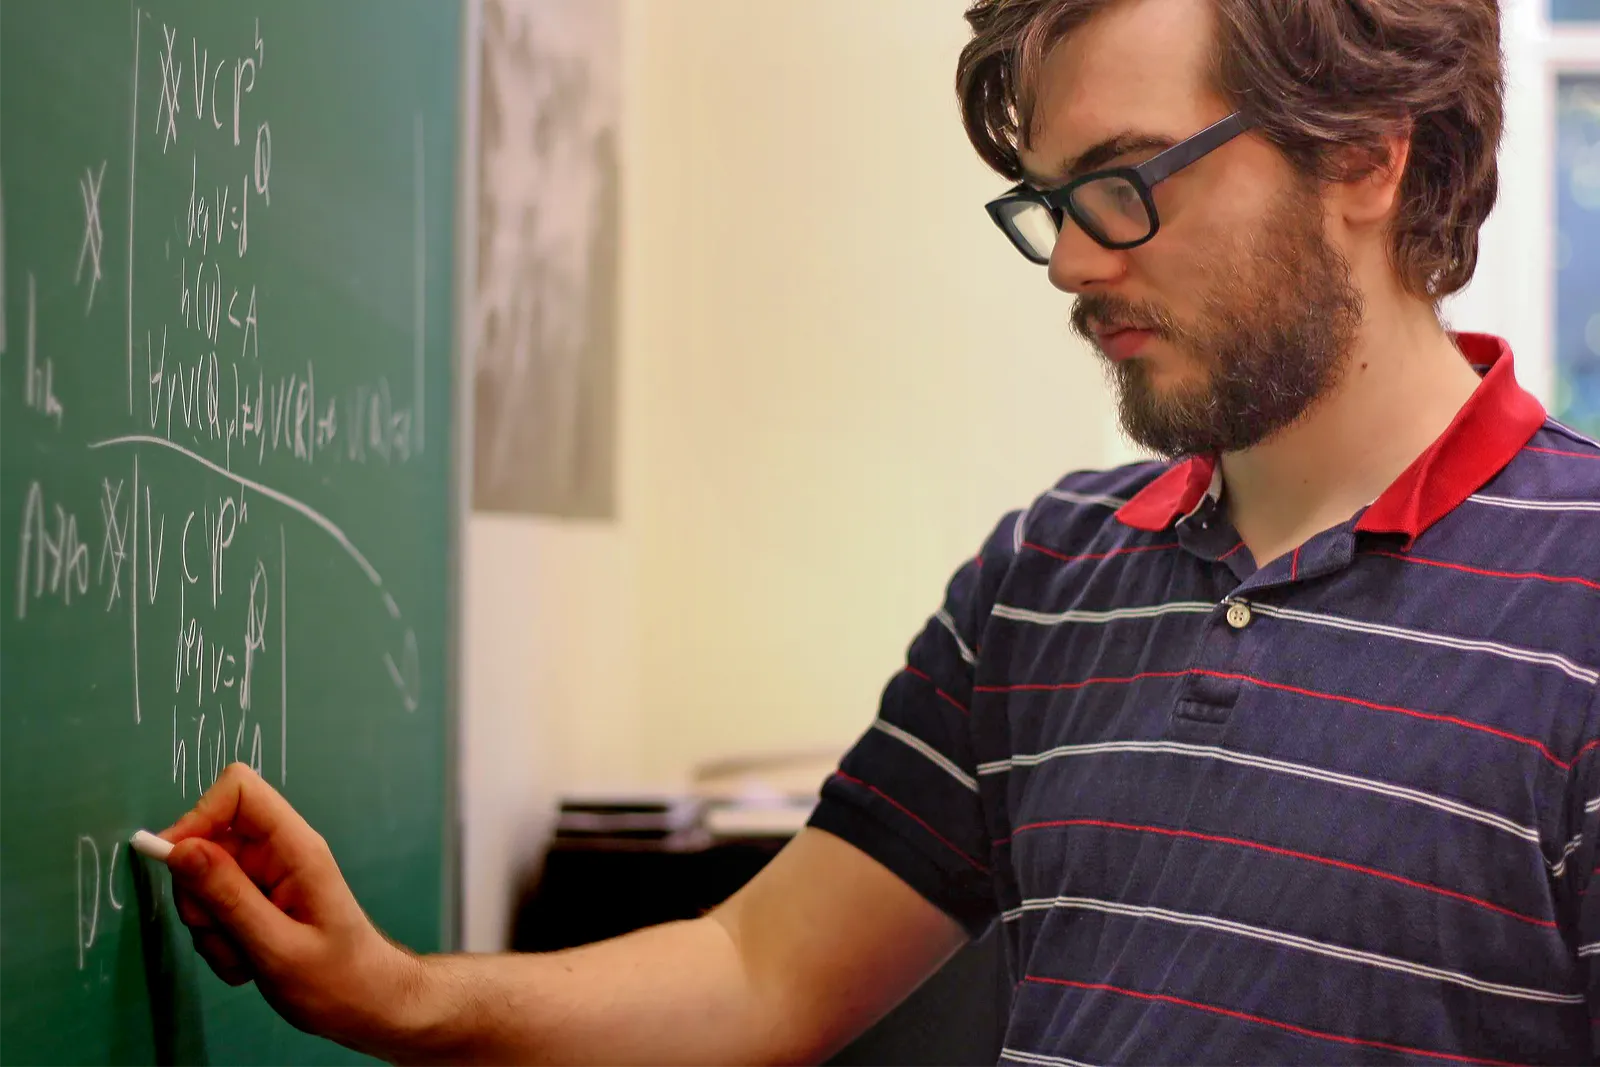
1368, 195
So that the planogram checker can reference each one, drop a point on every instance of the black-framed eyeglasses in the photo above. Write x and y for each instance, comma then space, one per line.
1115, 207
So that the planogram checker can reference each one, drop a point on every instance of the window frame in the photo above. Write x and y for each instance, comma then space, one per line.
1506, 297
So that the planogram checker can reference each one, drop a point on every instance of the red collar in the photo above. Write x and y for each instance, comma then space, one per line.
1496, 421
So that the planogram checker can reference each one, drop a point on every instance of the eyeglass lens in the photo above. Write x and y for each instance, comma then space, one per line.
1111, 209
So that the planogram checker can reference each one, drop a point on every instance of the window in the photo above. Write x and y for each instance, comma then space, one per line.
1538, 279
1574, 10
1577, 252
1570, 63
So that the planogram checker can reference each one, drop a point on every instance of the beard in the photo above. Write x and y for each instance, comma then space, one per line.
1274, 335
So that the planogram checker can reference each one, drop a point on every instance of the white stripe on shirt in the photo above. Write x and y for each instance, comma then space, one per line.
938, 758
1534, 505
1086, 498
1465, 644
1572, 846
1095, 618
950, 624
1299, 770
1038, 1058
1570, 432
1304, 944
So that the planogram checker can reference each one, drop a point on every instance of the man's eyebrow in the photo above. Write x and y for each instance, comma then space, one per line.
1098, 156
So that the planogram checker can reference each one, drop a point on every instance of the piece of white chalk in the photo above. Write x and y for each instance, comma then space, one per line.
146, 843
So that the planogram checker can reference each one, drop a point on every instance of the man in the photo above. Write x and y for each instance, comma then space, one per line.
1279, 752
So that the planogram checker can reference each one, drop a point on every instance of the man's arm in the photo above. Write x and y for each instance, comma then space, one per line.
820, 944
817, 947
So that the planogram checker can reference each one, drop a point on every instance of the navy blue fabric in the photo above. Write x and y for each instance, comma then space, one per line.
1356, 822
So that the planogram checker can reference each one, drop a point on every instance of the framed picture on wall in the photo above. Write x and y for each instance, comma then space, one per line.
545, 315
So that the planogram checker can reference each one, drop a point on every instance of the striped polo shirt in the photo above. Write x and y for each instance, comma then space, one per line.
1343, 807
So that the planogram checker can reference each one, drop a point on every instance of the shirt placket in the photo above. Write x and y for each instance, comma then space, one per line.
1236, 634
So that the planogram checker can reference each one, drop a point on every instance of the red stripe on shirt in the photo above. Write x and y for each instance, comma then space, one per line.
1284, 688
1053, 554
1261, 1020
1292, 854
1356, 701
919, 674
1055, 686
1558, 452
1431, 716
914, 817
1521, 575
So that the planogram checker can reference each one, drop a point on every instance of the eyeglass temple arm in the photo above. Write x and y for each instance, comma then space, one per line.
1187, 151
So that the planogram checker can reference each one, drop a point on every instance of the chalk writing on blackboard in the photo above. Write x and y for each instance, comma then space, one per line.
208, 635
96, 882
39, 385
88, 911
93, 236
139, 18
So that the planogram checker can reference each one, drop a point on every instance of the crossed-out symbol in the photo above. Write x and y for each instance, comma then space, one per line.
171, 79
93, 236
114, 548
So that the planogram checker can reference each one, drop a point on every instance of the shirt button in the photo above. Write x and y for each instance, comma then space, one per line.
1239, 614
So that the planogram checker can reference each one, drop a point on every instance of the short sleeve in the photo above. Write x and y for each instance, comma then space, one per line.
1576, 869
907, 793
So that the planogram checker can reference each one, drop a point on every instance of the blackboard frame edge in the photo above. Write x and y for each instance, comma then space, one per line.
463, 361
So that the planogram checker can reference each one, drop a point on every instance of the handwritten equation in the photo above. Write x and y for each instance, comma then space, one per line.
191, 535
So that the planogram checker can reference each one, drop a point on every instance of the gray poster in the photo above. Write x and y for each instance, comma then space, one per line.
546, 309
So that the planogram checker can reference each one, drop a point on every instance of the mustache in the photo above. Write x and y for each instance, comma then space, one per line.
1104, 309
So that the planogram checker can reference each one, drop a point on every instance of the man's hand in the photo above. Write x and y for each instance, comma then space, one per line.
264, 901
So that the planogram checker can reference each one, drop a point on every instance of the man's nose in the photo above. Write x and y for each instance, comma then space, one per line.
1079, 264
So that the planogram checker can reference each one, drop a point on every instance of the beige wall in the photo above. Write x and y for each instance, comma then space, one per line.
546, 697
837, 374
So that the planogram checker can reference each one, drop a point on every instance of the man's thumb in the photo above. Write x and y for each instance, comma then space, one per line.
219, 884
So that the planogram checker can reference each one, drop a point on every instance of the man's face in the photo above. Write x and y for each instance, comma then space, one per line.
1238, 315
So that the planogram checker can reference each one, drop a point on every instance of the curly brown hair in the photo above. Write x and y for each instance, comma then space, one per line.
1324, 81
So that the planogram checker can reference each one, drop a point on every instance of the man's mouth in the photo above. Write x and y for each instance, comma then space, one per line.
1122, 342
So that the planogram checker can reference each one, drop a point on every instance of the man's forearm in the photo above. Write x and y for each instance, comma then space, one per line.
677, 993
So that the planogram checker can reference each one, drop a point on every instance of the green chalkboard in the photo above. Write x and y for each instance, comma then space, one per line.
226, 483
